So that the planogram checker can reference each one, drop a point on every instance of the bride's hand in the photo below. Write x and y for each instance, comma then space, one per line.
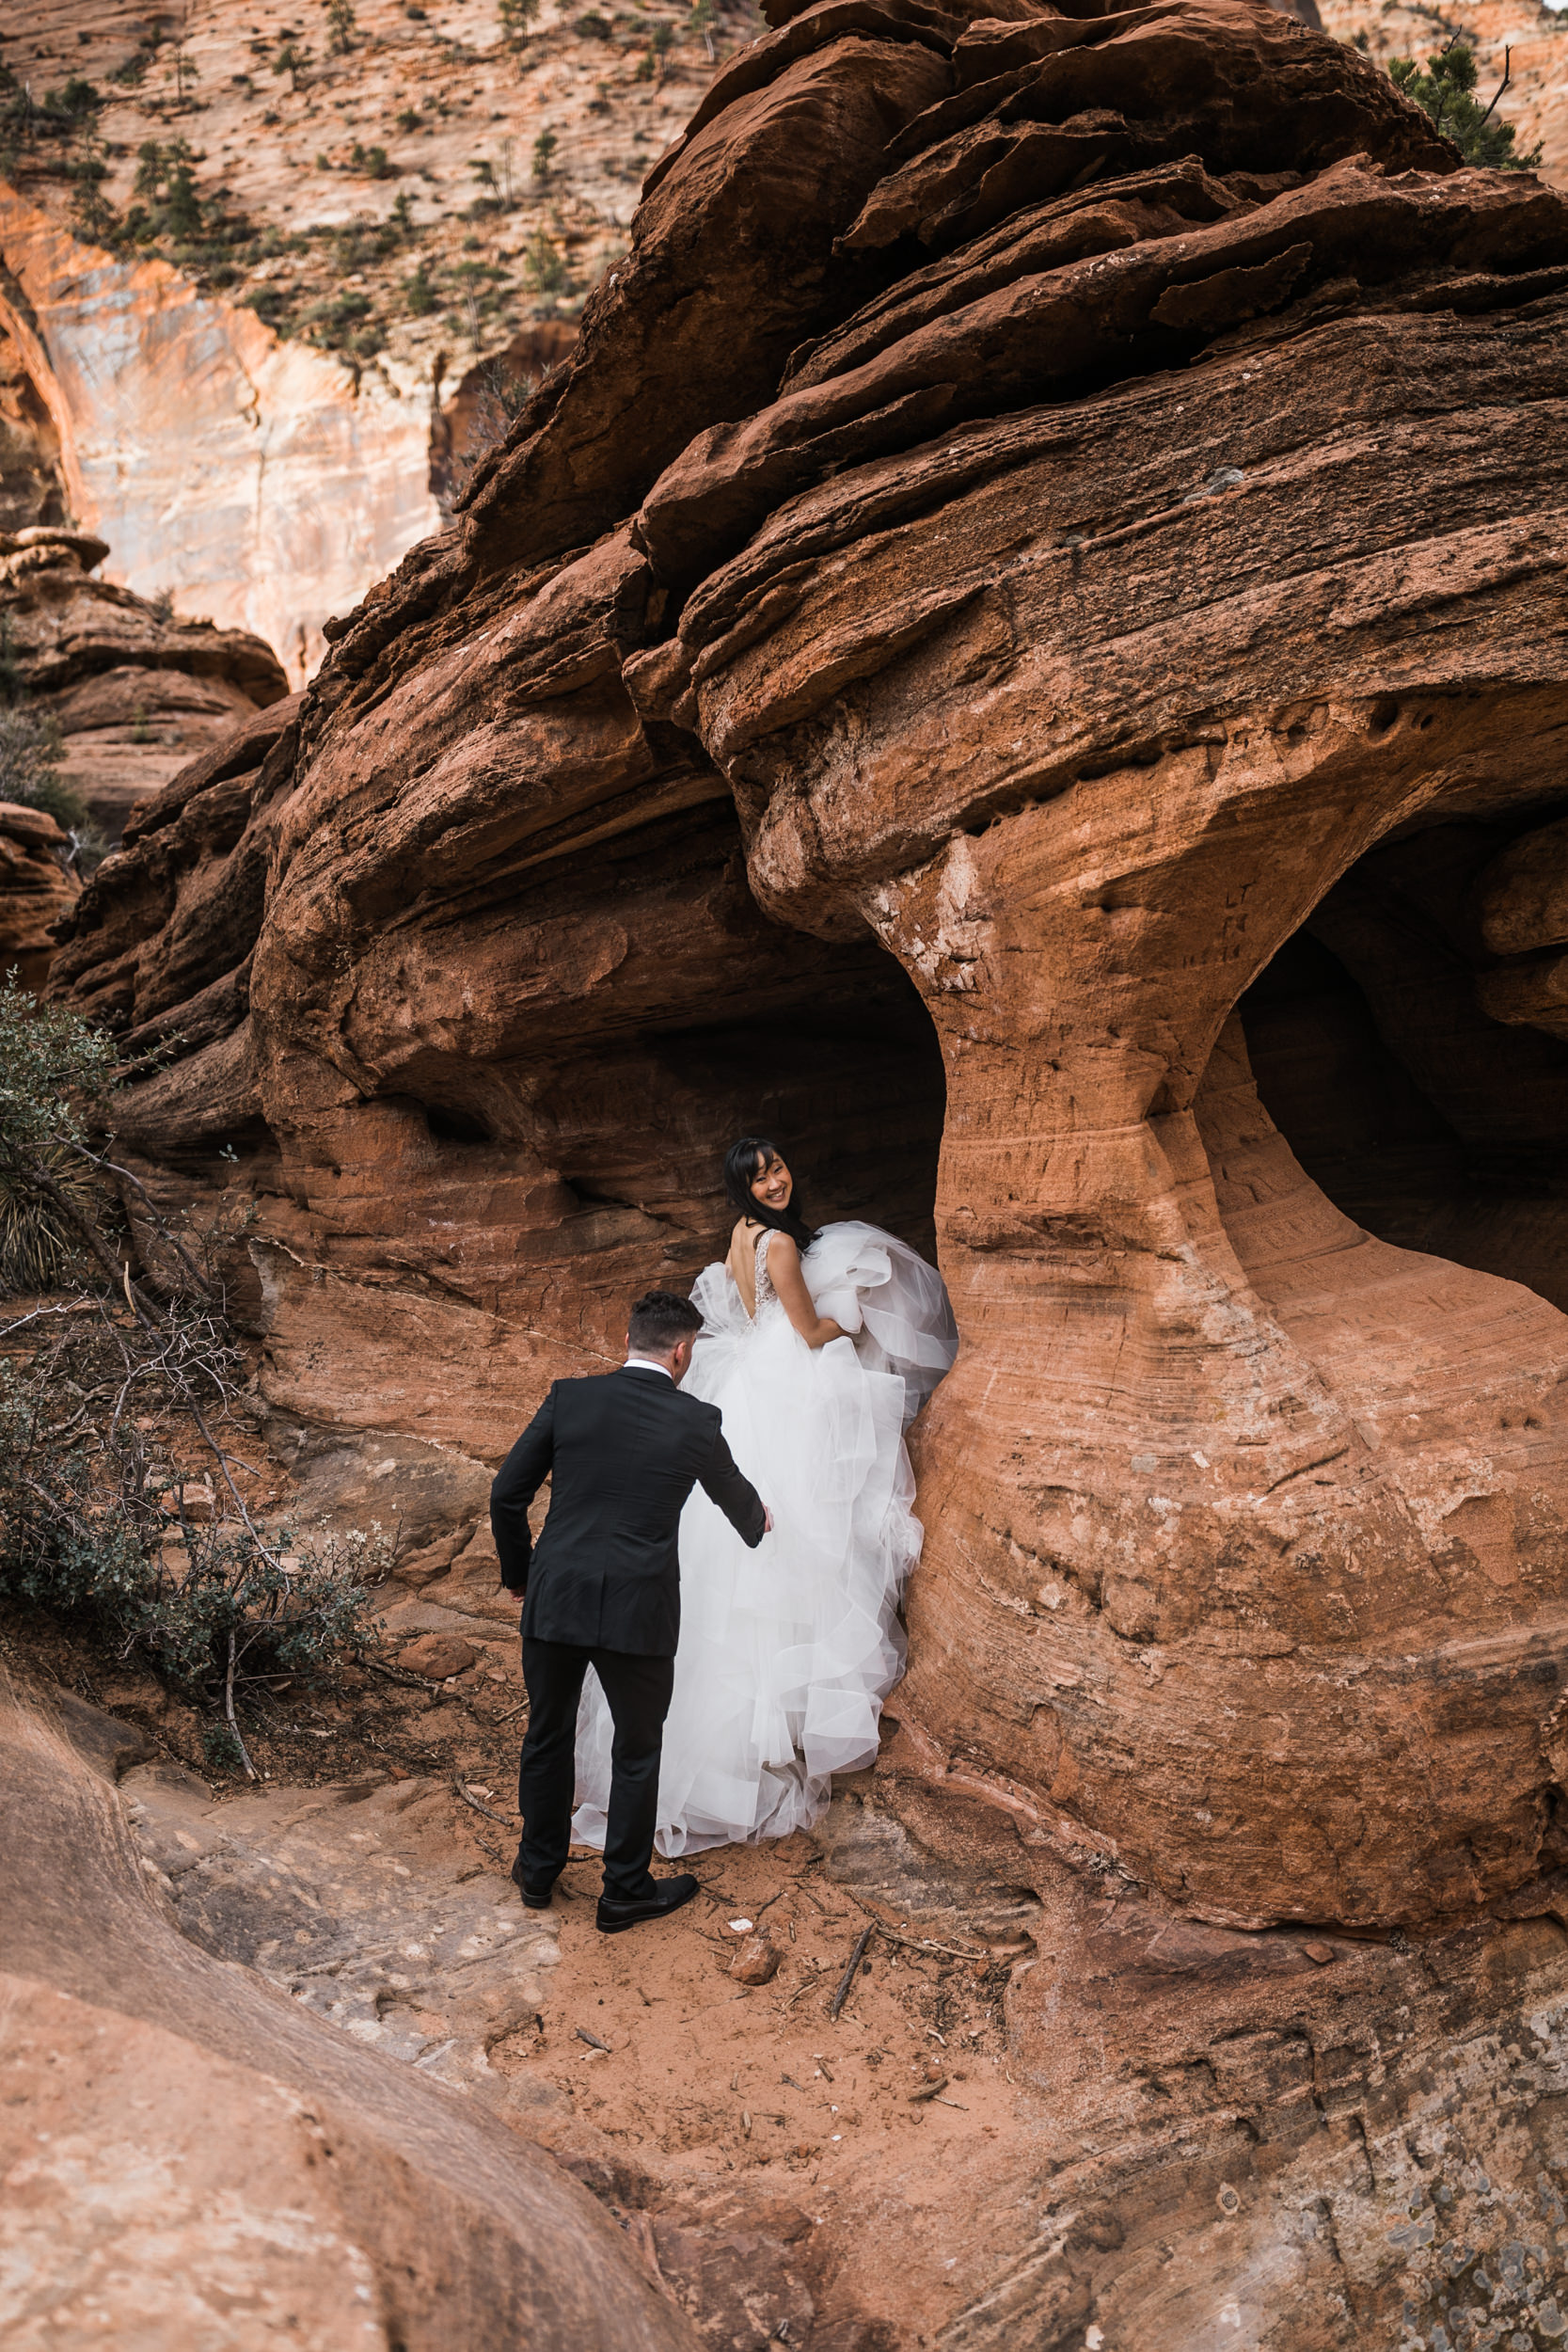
766, 1520
784, 1267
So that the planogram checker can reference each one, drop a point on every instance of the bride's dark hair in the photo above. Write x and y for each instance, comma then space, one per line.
741, 1168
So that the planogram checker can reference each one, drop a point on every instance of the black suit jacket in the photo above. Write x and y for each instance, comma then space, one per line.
623, 1452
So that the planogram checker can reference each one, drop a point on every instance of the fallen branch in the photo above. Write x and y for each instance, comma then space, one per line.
499, 1818
396, 1674
914, 1944
68, 1307
836, 2004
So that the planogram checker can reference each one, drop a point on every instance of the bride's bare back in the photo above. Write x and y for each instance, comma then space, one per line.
742, 1263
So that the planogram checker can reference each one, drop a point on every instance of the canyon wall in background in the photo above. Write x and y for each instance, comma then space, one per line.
277, 387
249, 479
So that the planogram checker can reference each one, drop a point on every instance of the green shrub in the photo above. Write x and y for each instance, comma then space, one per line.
109, 1389
212, 1607
271, 305
419, 293
517, 18
1446, 93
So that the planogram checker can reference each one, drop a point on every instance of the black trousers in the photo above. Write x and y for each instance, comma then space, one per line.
637, 1691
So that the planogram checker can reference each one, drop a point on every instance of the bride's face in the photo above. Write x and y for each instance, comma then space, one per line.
773, 1185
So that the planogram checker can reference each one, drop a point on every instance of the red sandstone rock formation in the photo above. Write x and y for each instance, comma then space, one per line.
133, 692
1067, 505
181, 2142
37, 890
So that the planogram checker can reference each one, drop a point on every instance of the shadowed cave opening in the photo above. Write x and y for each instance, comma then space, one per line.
838, 1063
847, 1080
1432, 1125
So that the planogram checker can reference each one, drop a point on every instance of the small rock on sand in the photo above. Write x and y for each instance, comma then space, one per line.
436, 1655
756, 1962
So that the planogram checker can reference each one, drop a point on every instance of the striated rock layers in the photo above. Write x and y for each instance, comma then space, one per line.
38, 888
132, 692
126, 693
1030, 629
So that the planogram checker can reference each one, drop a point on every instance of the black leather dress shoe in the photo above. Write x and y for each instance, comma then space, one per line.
535, 1893
666, 1897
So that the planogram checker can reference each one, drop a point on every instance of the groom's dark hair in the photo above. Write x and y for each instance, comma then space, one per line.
659, 1320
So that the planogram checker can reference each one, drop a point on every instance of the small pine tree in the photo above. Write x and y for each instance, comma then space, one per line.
167, 177
517, 18
1446, 93
341, 25
544, 149
182, 205
291, 59
545, 272
90, 211
418, 293
185, 76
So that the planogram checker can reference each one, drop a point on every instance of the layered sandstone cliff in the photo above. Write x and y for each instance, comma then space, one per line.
1022, 653
260, 347
38, 888
104, 698
251, 481
132, 691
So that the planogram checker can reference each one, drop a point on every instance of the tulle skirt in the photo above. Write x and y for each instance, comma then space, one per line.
788, 1652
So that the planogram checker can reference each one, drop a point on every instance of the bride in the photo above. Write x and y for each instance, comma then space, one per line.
820, 1348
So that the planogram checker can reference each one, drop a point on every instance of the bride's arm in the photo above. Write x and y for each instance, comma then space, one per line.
783, 1267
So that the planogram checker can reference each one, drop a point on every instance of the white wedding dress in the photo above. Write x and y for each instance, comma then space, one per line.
788, 1652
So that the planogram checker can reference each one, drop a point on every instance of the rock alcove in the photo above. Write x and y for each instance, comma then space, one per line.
1430, 1120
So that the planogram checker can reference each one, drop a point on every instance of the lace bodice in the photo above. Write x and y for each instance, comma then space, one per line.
767, 1295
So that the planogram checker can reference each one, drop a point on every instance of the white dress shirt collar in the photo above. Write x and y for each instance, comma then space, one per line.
647, 1363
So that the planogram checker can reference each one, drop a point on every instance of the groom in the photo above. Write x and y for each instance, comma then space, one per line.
623, 1451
